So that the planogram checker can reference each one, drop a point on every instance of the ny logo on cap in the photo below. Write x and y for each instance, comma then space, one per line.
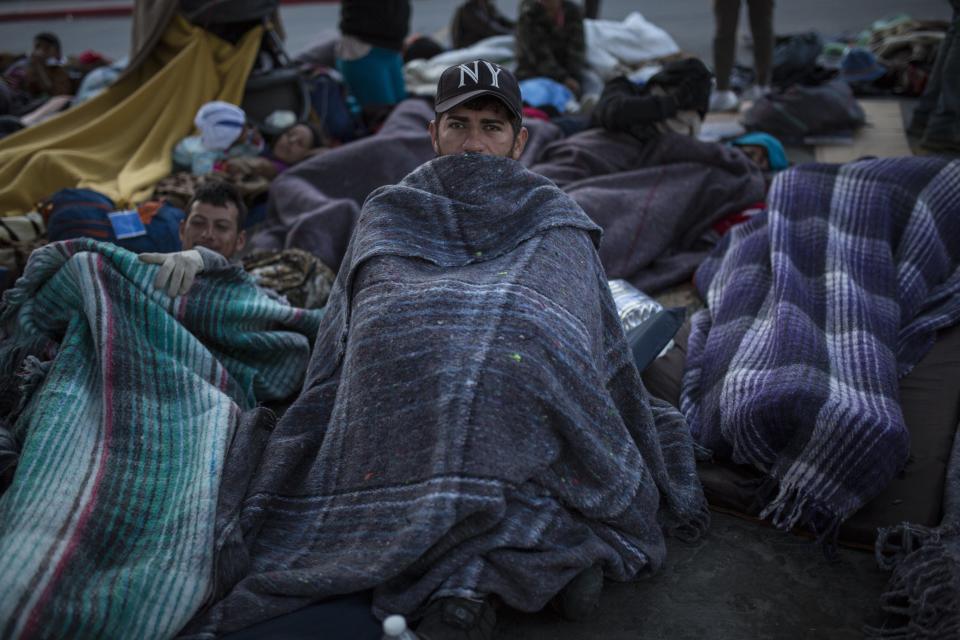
474, 73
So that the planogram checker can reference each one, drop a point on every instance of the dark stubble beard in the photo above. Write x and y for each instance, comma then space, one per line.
509, 154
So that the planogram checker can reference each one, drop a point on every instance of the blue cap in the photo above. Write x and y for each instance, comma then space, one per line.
776, 155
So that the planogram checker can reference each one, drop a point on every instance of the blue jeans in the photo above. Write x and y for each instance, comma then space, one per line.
376, 78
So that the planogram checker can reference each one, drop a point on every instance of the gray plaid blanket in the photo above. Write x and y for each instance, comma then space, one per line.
471, 423
815, 309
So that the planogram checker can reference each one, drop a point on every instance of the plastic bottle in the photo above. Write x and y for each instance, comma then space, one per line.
633, 305
395, 628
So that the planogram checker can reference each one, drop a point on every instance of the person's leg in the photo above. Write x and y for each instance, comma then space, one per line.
943, 123
591, 9
931, 93
726, 14
761, 29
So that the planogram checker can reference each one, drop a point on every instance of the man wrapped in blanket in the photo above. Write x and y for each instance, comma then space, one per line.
472, 429
213, 235
122, 413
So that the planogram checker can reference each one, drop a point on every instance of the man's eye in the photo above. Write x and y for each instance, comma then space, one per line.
456, 125
493, 127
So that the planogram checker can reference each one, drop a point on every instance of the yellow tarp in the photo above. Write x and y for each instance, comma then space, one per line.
119, 142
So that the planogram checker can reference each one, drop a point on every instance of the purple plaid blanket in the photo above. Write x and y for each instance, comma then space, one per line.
815, 309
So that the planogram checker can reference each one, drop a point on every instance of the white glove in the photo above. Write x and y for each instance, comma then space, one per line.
177, 270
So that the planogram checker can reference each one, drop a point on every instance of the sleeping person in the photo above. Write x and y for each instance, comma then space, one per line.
294, 144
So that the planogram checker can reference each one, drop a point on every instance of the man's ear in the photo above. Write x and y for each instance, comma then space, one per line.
183, 226
432, 128
519, 143
241, 240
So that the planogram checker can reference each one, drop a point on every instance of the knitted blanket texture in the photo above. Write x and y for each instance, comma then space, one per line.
471, 422
119, 405
816, 308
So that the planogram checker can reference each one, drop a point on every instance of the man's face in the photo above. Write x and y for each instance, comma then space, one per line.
488, 131
213, 227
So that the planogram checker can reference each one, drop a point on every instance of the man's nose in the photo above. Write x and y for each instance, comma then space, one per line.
473, 143
207, 232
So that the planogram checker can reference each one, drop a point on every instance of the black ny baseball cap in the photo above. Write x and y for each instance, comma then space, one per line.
466, 81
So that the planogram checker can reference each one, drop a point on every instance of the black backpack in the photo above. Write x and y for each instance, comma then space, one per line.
804, 110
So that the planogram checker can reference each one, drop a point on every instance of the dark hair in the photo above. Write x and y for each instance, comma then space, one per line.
318, 137
219, 193
493, 103
422, 48
49, 38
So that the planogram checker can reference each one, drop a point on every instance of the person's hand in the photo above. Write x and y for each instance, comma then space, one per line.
177, 270
250, 165
573, 85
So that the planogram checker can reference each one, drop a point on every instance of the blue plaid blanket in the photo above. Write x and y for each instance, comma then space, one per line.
815, 308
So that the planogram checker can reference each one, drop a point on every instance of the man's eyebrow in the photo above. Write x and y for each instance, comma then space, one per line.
492, 121
458, 118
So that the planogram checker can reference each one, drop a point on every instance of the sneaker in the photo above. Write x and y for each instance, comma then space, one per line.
580, 598
725, 100
458, 619
755, 92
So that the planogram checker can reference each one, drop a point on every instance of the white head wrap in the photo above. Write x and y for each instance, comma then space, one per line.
220, 124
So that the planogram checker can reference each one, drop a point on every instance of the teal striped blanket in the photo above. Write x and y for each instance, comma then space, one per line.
121, 404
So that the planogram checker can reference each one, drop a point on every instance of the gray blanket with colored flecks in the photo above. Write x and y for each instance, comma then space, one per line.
471, 423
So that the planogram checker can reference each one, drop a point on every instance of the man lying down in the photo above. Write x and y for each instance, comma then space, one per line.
472, 430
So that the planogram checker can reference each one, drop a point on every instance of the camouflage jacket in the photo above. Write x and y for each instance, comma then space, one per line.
547, 49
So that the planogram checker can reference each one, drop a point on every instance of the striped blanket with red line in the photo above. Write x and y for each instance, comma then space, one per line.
122, 403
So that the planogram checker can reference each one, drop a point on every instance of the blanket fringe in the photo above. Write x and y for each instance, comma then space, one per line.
28, 361
792, 508
922, 598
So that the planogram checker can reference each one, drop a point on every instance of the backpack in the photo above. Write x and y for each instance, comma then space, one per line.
795, 59
803, 110
327, 100
82, 213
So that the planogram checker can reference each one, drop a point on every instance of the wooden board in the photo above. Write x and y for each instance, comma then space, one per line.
882, 137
